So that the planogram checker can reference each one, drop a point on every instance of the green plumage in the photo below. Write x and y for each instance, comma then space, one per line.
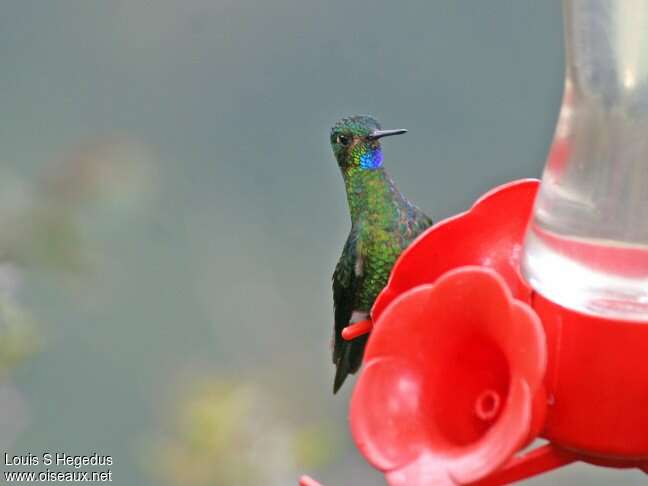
383, 224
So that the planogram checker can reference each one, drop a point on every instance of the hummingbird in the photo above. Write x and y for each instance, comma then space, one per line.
383, 224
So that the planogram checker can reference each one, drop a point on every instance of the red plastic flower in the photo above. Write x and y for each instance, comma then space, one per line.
452, 383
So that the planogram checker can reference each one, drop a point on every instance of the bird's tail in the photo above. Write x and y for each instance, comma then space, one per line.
349, 361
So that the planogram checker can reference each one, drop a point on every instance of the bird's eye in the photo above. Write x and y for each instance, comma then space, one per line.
343, 139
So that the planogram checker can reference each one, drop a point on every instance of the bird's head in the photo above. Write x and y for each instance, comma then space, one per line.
356, 142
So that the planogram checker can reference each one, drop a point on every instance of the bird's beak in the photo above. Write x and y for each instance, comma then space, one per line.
376, 134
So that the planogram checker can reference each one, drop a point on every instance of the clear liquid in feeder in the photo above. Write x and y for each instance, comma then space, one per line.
586, 247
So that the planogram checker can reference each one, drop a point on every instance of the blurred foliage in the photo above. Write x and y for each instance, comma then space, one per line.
41, 220
18, 335
233, 432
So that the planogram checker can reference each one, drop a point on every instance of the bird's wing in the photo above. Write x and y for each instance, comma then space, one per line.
422, 223
346, 282
418, 220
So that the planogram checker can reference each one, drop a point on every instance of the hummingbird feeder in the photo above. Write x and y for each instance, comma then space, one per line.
526, 317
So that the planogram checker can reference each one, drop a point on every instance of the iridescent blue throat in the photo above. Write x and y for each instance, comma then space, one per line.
371, 159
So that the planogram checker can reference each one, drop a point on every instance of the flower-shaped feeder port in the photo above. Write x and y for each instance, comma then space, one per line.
452, 383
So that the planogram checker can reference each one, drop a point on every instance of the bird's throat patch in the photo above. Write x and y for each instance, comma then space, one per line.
371, 159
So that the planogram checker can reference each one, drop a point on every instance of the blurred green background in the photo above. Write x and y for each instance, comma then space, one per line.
171, 212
